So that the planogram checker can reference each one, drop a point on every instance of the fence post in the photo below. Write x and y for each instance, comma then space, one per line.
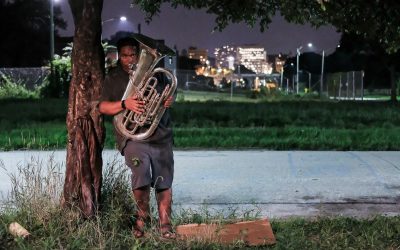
362, 85
354, 87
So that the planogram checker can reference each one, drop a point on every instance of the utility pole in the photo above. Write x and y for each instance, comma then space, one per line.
51, 40
297, 68
322, 74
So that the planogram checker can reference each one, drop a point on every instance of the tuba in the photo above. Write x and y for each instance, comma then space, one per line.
143, 84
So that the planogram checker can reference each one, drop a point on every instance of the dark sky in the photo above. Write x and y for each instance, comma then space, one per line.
184, 28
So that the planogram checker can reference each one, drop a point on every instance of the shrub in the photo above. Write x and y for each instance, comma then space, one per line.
56, 85
10, 89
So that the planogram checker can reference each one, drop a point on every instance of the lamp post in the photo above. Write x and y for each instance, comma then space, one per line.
52, 38
297, 65
321, 85
297, 68
121, 19
51, 31
322, 73
231, 65
282, 71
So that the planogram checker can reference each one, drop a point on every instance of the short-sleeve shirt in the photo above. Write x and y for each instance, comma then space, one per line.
114, 87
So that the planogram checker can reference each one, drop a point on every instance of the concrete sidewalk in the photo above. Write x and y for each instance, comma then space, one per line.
272, 183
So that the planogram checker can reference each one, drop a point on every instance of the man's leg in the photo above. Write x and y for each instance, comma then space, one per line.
142, 198
164, 202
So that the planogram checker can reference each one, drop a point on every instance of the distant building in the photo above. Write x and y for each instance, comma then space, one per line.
278, 61
199, 54
224, 56
253, 57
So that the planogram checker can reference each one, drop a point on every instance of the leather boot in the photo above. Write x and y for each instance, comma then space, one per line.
164, 202
142, 198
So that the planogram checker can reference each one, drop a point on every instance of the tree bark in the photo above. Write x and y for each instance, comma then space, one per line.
85, 126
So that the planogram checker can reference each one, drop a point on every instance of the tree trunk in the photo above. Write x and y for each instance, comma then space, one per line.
85, 127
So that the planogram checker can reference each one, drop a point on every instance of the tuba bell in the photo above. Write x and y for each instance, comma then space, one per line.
143, 84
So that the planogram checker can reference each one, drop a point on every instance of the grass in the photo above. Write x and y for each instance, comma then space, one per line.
50, 136
208, 123
34, 203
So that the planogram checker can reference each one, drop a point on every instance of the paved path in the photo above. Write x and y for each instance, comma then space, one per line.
273, 183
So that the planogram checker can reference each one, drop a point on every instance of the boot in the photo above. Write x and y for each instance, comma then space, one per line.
142, 198
164, 202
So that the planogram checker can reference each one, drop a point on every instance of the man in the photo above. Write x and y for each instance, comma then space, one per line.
151, 161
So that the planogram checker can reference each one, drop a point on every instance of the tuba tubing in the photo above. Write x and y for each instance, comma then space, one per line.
143, 84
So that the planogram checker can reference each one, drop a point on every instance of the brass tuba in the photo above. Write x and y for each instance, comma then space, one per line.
143, 83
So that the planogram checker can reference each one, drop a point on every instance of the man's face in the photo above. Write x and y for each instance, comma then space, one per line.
128, 57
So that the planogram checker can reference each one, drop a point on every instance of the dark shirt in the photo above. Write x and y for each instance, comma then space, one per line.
114, 87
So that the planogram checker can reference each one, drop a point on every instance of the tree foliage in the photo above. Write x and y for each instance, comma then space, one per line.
377, 20
25, 26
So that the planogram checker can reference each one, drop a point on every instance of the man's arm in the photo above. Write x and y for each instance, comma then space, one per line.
113, 108
110, 108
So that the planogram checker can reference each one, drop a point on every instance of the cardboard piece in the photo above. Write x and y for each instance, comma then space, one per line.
252, 233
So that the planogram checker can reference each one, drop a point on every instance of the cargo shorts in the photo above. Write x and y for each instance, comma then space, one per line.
150, 163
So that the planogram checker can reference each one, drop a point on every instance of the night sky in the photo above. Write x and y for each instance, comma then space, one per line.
184, 28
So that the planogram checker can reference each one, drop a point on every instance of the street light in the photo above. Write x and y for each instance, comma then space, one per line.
297, 68
52, 36
121, 19
231, 65
322, 71
297, 65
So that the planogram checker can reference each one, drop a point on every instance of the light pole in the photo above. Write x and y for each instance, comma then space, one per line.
231, 65
297, 68
51, 31
297, 65
321, 85
121, 19
52, 38
282, 71
322, 73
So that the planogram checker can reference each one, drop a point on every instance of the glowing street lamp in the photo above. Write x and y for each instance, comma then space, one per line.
297, 65
322, 71
231, 66
121, 19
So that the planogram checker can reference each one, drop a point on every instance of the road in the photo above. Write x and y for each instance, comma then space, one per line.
274, 184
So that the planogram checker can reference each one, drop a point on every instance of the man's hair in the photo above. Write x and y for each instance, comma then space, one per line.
127, 41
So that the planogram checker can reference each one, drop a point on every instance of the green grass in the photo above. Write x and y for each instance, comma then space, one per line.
289, 138
34, 203
204, 96
281, 125
50, 136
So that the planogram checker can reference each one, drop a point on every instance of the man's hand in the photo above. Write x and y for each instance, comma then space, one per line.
168, 103
134, 104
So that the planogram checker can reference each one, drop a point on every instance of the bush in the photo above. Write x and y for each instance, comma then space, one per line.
10, 89
56, 85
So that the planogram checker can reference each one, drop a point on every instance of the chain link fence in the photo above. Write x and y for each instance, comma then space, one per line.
341, 85
28, 77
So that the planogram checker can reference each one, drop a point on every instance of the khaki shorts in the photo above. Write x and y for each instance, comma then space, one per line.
151, 164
